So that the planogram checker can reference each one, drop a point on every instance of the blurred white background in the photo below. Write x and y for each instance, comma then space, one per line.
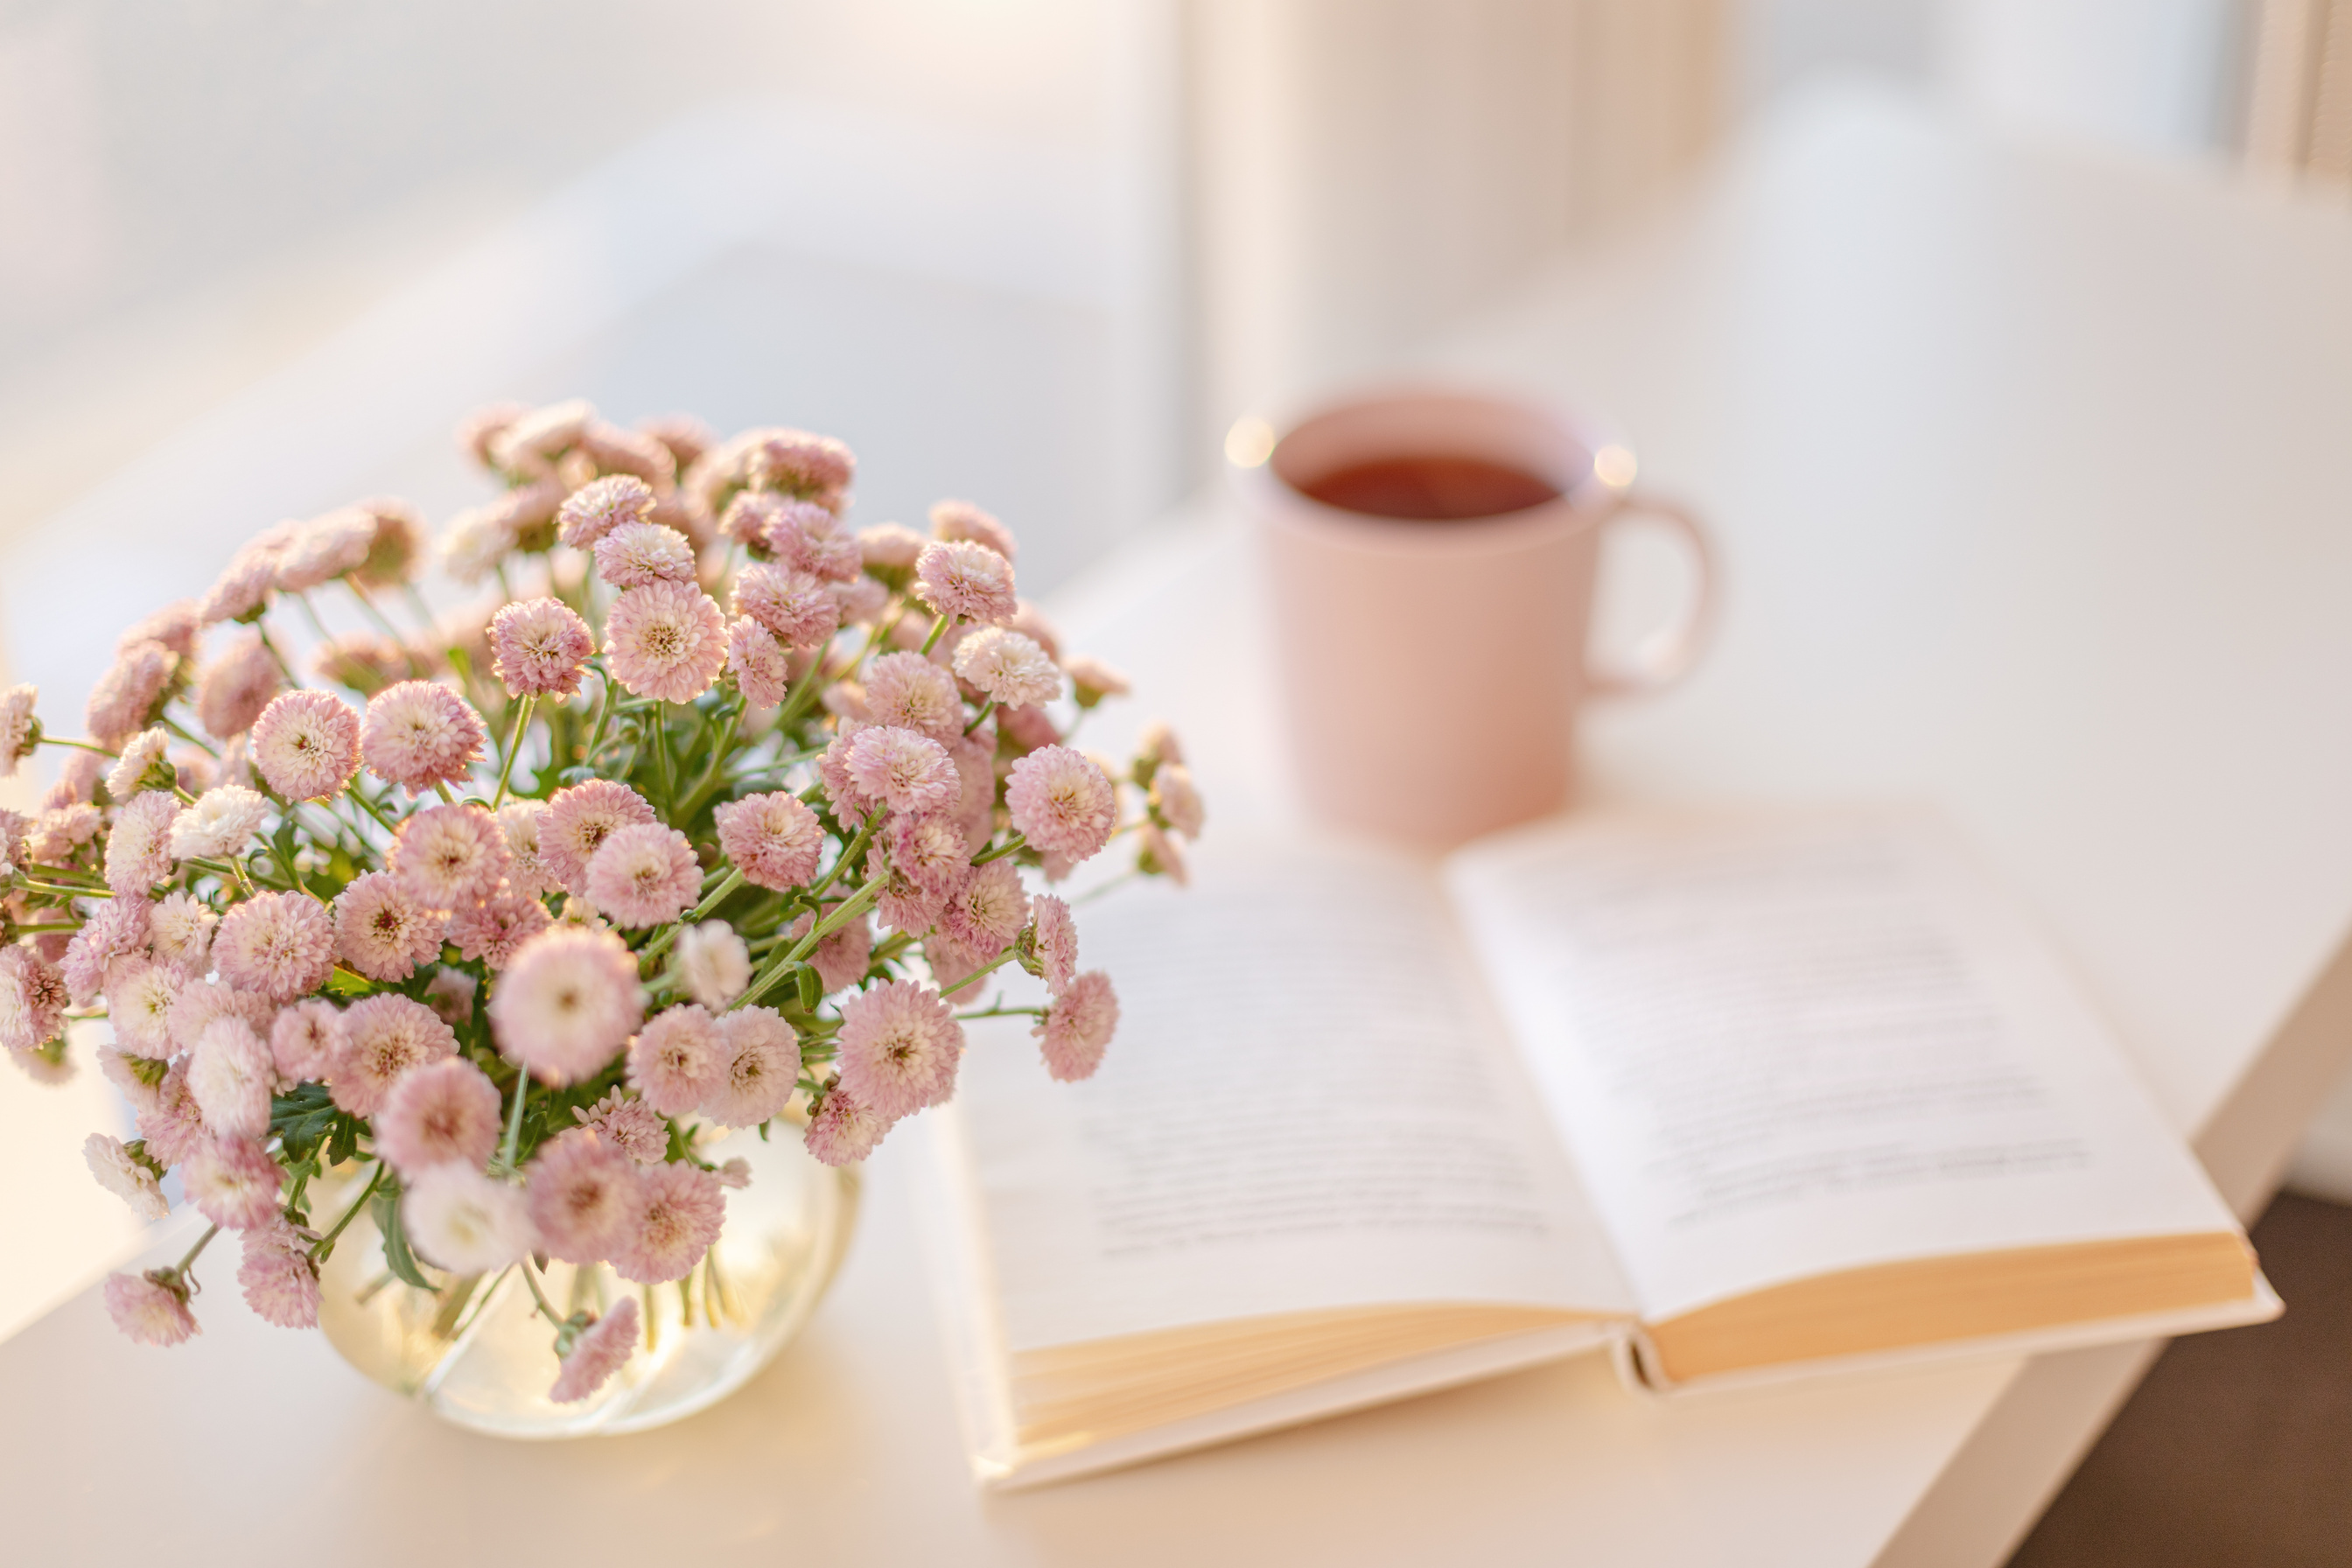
257, 256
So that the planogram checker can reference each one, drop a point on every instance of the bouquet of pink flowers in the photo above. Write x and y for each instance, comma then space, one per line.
546, 897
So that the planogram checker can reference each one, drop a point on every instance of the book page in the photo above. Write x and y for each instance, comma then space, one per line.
1784, 1045
1307, 1106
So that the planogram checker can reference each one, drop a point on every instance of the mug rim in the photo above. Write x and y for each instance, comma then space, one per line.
1583, 501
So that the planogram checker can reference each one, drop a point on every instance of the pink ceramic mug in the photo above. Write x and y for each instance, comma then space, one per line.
1432, 668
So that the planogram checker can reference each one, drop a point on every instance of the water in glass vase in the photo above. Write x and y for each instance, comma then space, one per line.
478, 1351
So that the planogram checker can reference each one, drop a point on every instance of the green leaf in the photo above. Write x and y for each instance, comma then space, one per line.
812, 989
384, 1209
343, 983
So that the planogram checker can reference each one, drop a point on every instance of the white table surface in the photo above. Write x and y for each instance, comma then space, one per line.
2030, 477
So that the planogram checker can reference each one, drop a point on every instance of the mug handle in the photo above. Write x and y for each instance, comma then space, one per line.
1666, 655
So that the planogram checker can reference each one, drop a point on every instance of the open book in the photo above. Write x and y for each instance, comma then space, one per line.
1737, 1098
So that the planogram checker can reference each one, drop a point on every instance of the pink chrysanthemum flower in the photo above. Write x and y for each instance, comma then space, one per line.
582, 1191
17, 734
201, 1003
906, 771
645, 875
1156, 855
712, 964
976, 807
1176, 800
1091, 680
141, 1079
495, 930
629, 1124
539, 647
120, 927
989, 909
676, 1060
437, 1114
636, 553
811, 538
279, 945
363, 661
968, 580
449, 856
124, 1175
173, 1128
931, 851
1078, 1025
1008, 667
760, 1065
899, 1046
599, 1353
567, 1003
860, 601
954, 519
600, 506
579, 819
128, 694
243, 587
150, 1308
911, 691
234, 1182
762, 668
891, 546
399, 542
450, 994
383, 1036
1061, 801
850, 803
307, 1040
230, 1073
419, 734
906, 905
128, 775
844, 1131
952, 961
773, 839
666, 640
57, 833
1054, 941
181, 926
382, 929
237, 686
527, 868
174, 625
680, 1212
841, 959
747, 518
467, 1222
686, 435
139, 851
279, 1281
307, 744
793, 605
139, 997
1029, 728
812, 468
220, 825
326, 547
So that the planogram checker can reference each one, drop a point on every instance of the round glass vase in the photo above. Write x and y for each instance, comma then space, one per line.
476, 1350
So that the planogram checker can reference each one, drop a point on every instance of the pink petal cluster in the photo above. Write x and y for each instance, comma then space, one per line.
173, 1128
969, 581
1008, 667
579, 819
712, 962
307, 1040
495, 930
841, 959
120, 1173
844, 1131
666, 640
636, 553
1054, 941
139, 850
181, 927
911, 691
279, 945
902, 768
600, 506
440, 1113
220, 825
449, 856
279, 1281
792, 605
16, 730
237, 686
128, 694
898, 1047
581, 1191
1061, 801
629, 1124
773, 839
466, 1221
522, 821
645, 875
116, 931
385, 931
139, 997
954, 519
677, 1059
762, 666
234, 1182
231, 1073
307, 744
383, 1036
418, 734
760, 1068
601, 1351
567, 1003
139, 754
539, 647
677, 1217
1078, 1025
150, 1308
988, 909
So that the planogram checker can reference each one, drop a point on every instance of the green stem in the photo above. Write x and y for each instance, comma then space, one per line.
848, 910
326, 1242
538, 1295
1002, 1013
197, 1251
711, 775
849, 853
514, 746
514, 1119
803, 689
1011, 846
604, 717
999, 962
78, 746
61, 887
734, 880
196, 740
982, 717
938, 630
